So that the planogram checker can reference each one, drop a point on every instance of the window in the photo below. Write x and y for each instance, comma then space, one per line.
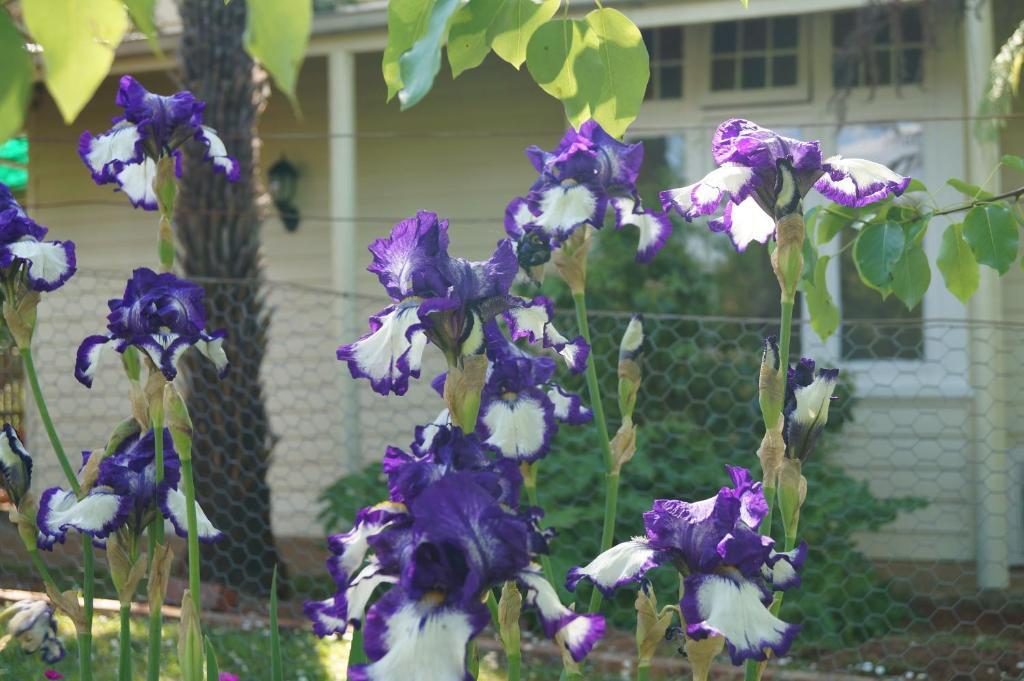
877, 46
755, 54
665, 46
894, 332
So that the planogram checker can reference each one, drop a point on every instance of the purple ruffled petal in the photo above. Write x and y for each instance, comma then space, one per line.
391, 353
745, 143
857, 182
407, 261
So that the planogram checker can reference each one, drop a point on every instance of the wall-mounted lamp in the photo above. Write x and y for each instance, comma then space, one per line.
283, 181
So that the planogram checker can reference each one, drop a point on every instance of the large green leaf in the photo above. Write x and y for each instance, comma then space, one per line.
407, 21
626, 68
912, 276
276, 35
820, 306
957, 264
420, 64
565, 66
832, 220
517, 23
142, 13
876, 251
505, 26
16, 81
991, 232
971, 191
78, 38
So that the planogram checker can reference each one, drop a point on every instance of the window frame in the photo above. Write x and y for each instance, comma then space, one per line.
656, 62
892, 49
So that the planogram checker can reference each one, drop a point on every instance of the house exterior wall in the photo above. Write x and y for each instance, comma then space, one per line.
910, 415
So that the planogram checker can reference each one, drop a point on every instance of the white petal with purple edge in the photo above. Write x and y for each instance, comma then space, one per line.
217, 153
563, 208
528, 321
89, 353
136, 181
655, 228
568, 407
326, 616
212, 347
577, 631
746, 223
348, 549
97, 514
812, 401
619, 565
391, 353
858, 182
48, 261
174, 505
519, 428
424, 643
704, 197
117, 146
358, 594
733, 607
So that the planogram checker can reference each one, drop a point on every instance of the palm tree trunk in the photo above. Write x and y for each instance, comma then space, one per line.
218, 228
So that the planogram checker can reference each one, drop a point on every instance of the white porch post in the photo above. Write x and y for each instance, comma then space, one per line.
991, 465
341, 98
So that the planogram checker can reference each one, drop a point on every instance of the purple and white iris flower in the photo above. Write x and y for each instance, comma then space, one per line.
589, 171
730, 569
32, 624
808, 396
763, 176
15, 466
520, 406
161, 315
126, 494
152, 127
437, 298
46, 265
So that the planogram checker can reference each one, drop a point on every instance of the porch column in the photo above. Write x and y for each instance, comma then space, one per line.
341, 99
987, 361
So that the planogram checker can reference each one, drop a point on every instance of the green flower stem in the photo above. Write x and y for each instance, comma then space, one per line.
611, 479
643, 672
769, 497
124, 655
515, 660
356, 653
492, 605
156, 538
545, 560
193, 532
88, 566
43, 571
785, 334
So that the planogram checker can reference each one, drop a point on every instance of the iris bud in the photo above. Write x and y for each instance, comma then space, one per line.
462, 389
792, 493
509, 607
20, 316
651, 625
630, 355
788, 258
571, 259
771, 388
702, 653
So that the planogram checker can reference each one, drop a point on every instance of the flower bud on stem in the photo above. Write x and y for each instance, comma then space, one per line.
788, 257
462, 388
509, 608
571, 259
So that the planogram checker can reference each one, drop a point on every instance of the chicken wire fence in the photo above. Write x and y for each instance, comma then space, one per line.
914, 515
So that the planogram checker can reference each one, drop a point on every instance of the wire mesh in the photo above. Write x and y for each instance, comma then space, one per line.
914, 515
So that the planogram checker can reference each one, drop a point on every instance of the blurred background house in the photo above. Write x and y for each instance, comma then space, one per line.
940, 411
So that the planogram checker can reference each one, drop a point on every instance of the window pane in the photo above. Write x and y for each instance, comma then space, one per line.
910, 25
670, 80
723, 74
648, 36
753, 72
784, 32
882, 65
911, 70
883, 33
842, 25
845, 71
670, 43
723, 37
784, 70
755, 34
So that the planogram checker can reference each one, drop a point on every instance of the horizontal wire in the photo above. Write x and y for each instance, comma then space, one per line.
634, 131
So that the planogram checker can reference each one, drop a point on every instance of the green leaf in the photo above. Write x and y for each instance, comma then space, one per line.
420, 64
991, 232
556, 57
212, 669
916, 231
833, 219
407, 20
911, 277
626, 67
971, 191
276, 667
1015, 162
957, 264
516, 24
820, 306
916, 185
16, 82
876, 251
142, 12
78, 38
276, 35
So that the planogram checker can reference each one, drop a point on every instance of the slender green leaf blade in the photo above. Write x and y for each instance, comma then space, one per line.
420, 65
276, 667
876, 251
626, 68
820, 306
991, 232
276, 35
142, 13
957, 264
212, 668
1015, 162
357, 651
78, 38
16, 82
516, 24
911, 277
